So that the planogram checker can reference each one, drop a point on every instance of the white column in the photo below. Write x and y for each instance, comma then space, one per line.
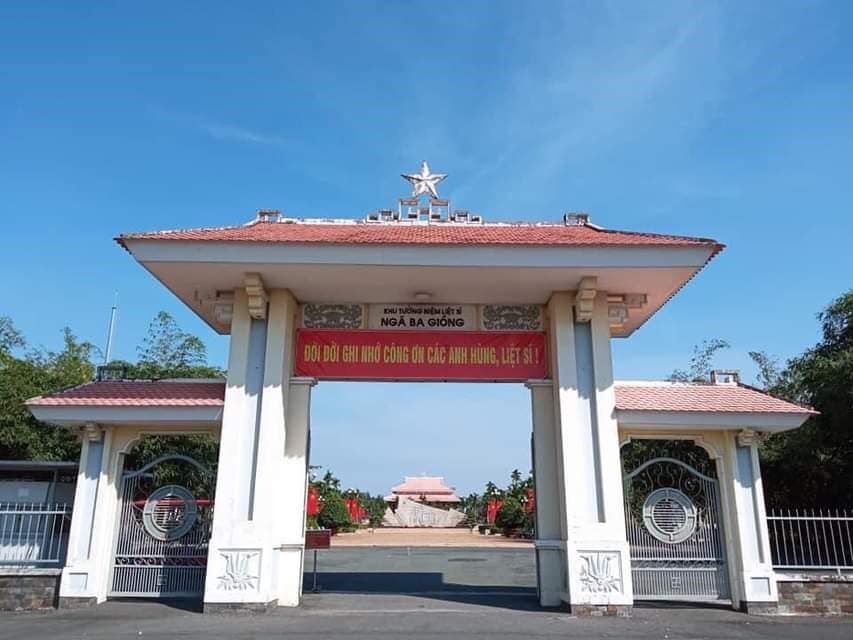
242, 561
85, 575
550, 518
596, 556
753, 579
293, 492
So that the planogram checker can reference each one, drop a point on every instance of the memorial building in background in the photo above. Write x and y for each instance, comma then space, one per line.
429, 490
423, 291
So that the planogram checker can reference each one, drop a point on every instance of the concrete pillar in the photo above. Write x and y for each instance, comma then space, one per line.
752, 577
294, 493
85, 575
242, 567
595, 557
550, 520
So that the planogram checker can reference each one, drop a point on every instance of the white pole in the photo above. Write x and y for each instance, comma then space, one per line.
113, 313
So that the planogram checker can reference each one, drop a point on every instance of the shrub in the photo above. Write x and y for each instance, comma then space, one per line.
511, 515
334, 515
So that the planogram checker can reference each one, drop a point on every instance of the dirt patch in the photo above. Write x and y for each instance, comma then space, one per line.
389, 537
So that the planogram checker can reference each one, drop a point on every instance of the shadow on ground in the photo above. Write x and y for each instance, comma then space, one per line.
683, 604
191, 605
423, 584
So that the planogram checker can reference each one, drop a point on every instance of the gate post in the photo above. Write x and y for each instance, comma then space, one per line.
550, 515
294, 492
86, 573
596, 557
244, 545
753, 580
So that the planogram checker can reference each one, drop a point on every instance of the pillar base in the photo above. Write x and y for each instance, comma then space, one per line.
240, 607
600, 610
76, 602
760, 608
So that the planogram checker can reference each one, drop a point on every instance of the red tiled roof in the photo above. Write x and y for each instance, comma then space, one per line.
425, 497
716, 398
423, 484
633, 396
402, 233
137, 393
431, 489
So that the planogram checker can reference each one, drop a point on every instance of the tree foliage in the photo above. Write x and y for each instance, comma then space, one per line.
514, 497
511, 515
169, 352
813, 465
701, 362
166, 352
768, 369
10, 337
202, 448
36, 373
333, 512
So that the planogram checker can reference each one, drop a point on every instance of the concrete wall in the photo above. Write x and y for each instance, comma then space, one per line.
23, 589
815, 593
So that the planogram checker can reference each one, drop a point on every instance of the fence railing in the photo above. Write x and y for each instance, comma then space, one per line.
33, 534
811, 538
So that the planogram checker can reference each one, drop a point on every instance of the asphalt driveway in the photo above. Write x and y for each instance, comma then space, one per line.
416, 594
425, 570
371, 616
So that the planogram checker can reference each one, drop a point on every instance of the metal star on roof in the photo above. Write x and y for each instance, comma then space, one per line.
425, 181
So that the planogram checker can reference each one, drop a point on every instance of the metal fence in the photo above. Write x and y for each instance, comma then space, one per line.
33, 534
811, 538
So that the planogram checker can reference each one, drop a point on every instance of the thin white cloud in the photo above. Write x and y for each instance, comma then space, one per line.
218, 130
232, 133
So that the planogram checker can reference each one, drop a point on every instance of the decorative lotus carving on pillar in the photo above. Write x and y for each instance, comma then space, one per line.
600, 572
239, 574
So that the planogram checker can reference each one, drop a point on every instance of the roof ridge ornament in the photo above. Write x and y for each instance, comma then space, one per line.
413, 210
424, 182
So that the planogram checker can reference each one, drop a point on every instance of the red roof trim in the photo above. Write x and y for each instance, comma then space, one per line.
635, 396
701, 398
137, 393
402, 233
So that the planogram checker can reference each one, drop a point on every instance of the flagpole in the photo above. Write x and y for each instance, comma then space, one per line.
113, 312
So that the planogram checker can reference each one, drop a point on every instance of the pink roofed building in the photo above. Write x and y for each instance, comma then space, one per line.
429, 490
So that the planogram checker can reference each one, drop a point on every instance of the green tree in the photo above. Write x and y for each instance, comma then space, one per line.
375, 507
202, 448
169, 352
511, 515
10, 337
769, 373
813, 465
701, 362
474, 507
334, 514
37, 373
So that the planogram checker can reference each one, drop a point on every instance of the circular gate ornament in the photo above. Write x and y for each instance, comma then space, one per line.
669, 515
169, 513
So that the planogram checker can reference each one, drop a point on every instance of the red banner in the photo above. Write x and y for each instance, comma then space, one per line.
332, 354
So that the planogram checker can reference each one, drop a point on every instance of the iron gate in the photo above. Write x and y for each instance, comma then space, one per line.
166, 512
672, 512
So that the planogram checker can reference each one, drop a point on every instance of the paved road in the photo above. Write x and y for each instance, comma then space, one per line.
389, 617
476, 594
425, 570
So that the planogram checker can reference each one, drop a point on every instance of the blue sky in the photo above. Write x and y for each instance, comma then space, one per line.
729, 120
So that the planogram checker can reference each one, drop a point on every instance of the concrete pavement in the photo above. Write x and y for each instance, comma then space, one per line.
416, 594
371, 616
425, 569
